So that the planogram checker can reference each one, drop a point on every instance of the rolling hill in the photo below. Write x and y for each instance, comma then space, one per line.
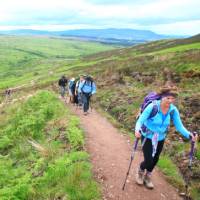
125, 37
24, 58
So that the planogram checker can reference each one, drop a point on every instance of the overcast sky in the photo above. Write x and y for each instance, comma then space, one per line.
178, 17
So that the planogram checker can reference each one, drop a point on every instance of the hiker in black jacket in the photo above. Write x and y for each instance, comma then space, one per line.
63, 84
7, 94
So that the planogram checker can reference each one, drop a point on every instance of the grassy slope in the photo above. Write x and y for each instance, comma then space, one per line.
56, 167
126, 75
30, 58
41, 150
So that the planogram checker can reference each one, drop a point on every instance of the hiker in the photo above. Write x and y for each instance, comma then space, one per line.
88, 88
71, 89
62, 83
7, 94
153, 131
78, 91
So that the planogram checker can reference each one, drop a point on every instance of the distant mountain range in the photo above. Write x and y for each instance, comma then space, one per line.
111, 35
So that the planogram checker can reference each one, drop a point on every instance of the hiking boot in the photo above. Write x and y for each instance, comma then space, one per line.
85, 113
140, 177
147, 181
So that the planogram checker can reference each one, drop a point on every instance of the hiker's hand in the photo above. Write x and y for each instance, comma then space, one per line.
194, 137
137, 134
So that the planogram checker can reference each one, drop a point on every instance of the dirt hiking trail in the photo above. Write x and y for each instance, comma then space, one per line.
110, 153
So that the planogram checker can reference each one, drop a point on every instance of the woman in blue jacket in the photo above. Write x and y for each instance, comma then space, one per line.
153, 132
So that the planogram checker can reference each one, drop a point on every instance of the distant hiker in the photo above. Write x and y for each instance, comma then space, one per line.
71, 89
153, 131
78, 91
88, 88
62, 83
75, 92
7, 94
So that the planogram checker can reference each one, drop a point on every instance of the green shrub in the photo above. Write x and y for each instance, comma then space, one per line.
75, 134
171, 171
66, 177
5, 142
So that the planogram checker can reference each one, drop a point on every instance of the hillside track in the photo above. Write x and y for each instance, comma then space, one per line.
110, 153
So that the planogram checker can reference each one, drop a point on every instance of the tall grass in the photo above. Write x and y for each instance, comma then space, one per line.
42, 155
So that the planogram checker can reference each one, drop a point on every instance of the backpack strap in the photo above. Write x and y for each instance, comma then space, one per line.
171, 114
83, 86
154, 110
153, 113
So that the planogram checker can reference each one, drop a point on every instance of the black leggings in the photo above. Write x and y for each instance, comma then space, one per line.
150, 162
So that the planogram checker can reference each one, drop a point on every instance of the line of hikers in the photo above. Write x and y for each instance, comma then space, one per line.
80, 90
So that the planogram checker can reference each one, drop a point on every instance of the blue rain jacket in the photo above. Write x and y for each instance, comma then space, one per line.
160, 122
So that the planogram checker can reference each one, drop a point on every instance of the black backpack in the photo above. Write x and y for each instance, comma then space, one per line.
89, 79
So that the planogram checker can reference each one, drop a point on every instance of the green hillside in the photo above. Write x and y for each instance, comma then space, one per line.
125, 76
23, 59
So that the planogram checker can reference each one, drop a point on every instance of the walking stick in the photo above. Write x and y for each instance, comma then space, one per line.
187, 182
132, 157
91, 103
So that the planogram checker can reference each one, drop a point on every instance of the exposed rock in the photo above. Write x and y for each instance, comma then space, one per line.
148, 80
135, 74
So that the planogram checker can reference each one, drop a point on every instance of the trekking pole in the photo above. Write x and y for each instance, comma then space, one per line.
91, 103
191, 155
132, 157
